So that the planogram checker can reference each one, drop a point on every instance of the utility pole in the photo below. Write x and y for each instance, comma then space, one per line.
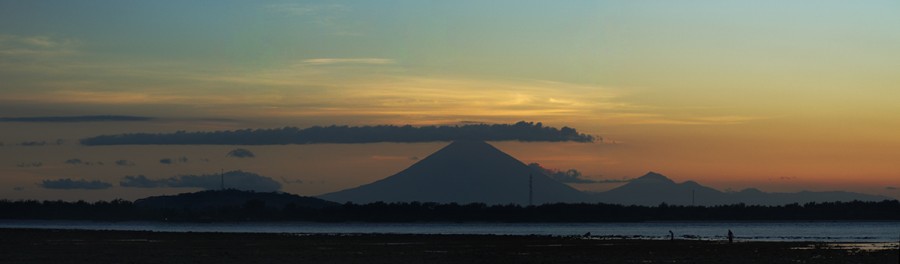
530, 190
692, 198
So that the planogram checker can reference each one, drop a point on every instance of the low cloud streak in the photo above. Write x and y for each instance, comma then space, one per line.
75, 119
36, 46
570, 175
233, 180
240, 153
70, 184
328, 61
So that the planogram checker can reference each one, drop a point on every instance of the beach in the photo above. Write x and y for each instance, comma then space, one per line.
91, 246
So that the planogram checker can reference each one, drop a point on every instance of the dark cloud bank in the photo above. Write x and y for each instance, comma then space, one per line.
33, 164
238, 180
41, 143
169, 161
521, 131
233, 180
76, 161
69, 184
124, 163
74, 119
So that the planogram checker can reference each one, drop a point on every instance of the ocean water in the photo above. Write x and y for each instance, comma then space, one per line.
841, 231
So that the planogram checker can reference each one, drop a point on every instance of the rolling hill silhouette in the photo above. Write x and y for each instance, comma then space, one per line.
231, 198
463, 172
654, 188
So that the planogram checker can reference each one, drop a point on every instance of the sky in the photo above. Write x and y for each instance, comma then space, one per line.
777, 95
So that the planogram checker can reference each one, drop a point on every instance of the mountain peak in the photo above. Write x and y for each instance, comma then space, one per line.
467, 144
653, 177
691, 184
751, 191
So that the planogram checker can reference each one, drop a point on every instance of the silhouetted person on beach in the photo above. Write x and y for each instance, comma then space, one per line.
730, 236
671, 235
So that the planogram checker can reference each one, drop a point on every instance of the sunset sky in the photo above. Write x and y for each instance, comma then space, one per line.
778, 95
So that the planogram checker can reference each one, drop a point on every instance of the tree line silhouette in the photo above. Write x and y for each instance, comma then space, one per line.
521, 131
258, 210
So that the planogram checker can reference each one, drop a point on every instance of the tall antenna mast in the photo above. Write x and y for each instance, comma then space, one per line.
223, 178
530, 190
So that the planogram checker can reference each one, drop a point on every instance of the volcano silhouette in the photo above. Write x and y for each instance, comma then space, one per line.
463, 172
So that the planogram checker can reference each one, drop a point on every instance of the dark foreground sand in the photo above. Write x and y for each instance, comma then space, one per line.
80, 246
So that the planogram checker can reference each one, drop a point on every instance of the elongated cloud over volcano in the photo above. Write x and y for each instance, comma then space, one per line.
521, 131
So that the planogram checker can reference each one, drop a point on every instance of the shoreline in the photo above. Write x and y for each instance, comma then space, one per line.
826, 232
92, 246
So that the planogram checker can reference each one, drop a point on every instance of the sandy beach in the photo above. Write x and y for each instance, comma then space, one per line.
85, 246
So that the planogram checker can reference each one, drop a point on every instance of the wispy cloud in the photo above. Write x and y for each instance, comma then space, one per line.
298, 9
663, 120
96, 97
655, 117
308, 89
571, 175
334, 18
36, 46
327, 61
75, 119
292, 9
321, 88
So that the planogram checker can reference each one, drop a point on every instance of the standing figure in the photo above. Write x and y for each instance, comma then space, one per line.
671, 235
730, 236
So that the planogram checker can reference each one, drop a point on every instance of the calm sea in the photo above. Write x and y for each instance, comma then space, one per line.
756, 231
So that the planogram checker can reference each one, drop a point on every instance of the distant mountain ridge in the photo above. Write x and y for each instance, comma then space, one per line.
653, 189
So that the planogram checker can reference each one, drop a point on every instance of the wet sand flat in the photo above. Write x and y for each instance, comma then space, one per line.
86, 246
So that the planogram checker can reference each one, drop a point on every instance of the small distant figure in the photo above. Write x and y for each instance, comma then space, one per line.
671, 235
730, 237
586, 235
